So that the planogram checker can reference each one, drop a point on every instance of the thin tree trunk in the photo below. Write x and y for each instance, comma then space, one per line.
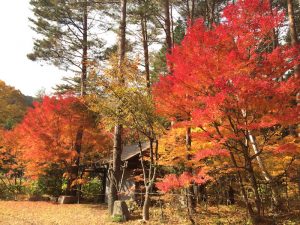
145, 47
190, 190
168, 25
172, 25
146, 205
193, 12
253, 216
84, 52
122, 32
190, 9
80, 131
115, 174
78, 146
188, 12
293, 31
253, 182
268, 178
211, 12
274, 33
149, 177
249, 169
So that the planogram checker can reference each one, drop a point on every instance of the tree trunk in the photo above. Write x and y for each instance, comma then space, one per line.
294, 41
122, 32
78, 146
230, 197
254, 185
146, 205
84, 51
202, 194
80, 131
168, 26
190, 190
266, 175
268, 178
274, 33
252, 214
145, 47
250, 171
211, 12
149, 175
190, 10
292, 24
293, 31
115, 174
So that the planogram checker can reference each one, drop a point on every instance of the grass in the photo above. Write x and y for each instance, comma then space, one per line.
44, 213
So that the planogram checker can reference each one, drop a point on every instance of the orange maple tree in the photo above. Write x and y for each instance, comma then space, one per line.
11, 165
49, 133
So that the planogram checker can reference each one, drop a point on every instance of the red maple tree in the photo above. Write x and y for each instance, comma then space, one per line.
233, 84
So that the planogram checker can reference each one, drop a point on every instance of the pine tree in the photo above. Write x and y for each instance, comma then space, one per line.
66, 37
115, 174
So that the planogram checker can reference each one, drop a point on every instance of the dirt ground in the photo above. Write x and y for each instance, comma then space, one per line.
44, 213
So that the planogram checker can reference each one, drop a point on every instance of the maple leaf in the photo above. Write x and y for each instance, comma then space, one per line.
205, 153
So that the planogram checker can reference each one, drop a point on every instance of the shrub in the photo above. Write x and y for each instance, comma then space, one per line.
91, 189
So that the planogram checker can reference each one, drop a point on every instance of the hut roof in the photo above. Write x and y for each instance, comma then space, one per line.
130, 151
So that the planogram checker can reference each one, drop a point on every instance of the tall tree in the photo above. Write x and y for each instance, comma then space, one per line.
292, 23
66, 38
138, 117
204, 87
48, 136
115, 173
293, 30
144, 10
167, 19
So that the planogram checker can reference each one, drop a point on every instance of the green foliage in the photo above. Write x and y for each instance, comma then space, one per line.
158, 61
132, 205
50, 183
159, 64
91, 189
10, 190
34, 188
179, 32
117, 218
65, 30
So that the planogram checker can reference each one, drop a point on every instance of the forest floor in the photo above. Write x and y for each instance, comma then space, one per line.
44, 213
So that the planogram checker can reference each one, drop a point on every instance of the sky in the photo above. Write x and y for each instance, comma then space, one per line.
16, 41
